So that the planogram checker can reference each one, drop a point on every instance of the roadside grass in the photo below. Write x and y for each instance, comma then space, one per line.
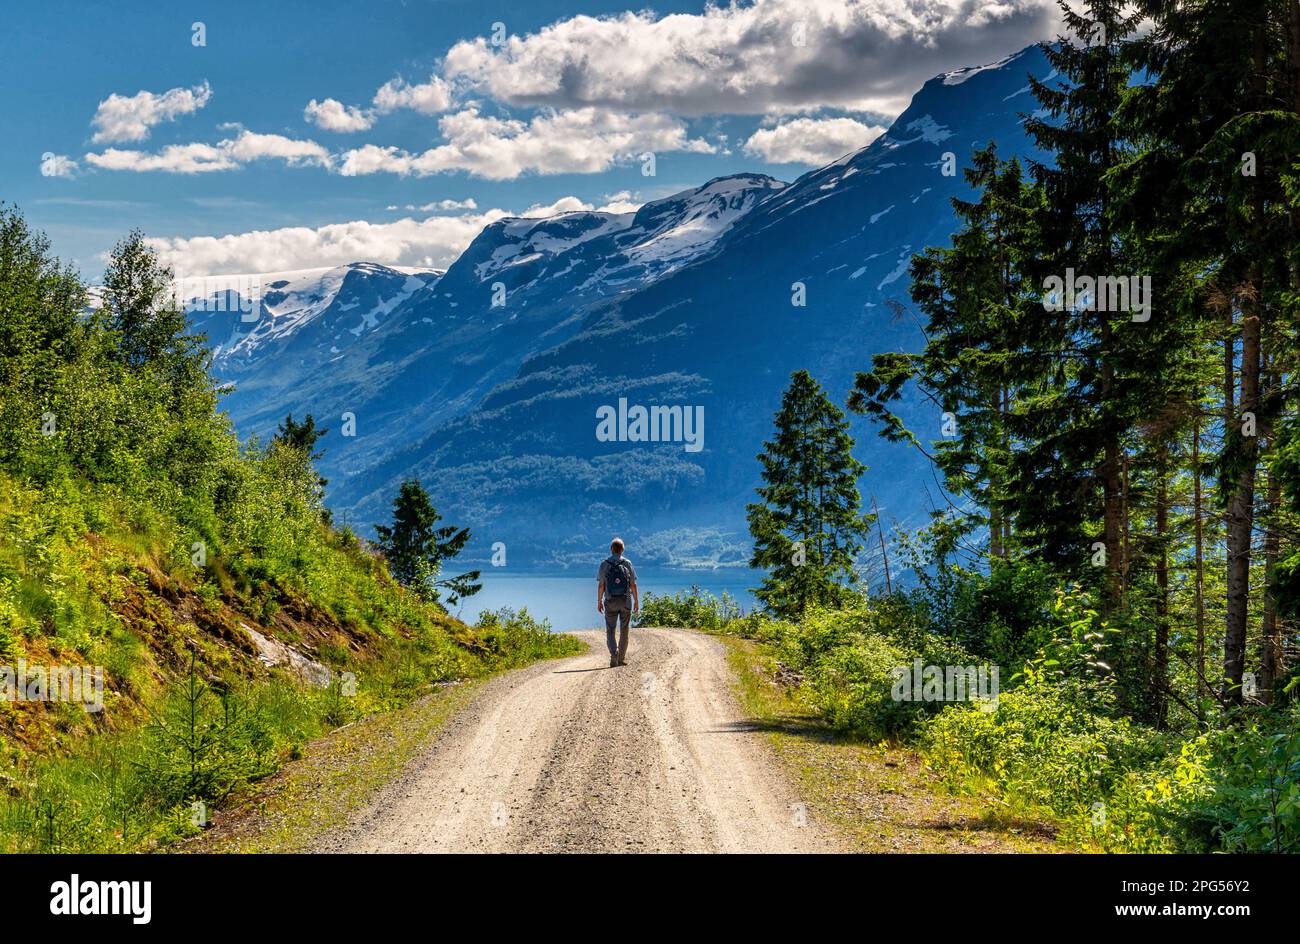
207, 739
337, 774
879, 796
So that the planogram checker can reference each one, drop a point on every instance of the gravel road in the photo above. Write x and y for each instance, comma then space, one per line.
573, 756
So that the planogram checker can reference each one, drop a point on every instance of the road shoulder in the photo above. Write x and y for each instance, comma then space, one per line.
296, 809
879, 798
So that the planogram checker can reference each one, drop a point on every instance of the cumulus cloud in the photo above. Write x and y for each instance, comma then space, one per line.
333, 115
428, 98
615, 203
770, 56
435, 241
563, 205
197, 158
584, 140
812, 141
57, 165
443, 206
621, 202
122, 118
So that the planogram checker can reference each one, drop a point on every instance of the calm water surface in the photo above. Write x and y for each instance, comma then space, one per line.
569, 602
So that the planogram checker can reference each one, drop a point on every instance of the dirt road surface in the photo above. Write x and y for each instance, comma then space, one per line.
573, 756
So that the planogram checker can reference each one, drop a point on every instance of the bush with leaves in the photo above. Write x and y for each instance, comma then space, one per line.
690, 609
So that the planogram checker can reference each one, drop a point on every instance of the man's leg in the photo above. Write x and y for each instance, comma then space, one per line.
625, 619
611, 620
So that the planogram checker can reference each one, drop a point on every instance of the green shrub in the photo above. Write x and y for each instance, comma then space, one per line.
1251, 800
515, 638
11, 623
689, 609
852, 687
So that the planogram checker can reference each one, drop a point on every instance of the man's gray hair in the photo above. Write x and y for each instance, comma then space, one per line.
616, 545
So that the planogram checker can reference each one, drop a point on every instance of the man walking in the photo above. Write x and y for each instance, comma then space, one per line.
615, 581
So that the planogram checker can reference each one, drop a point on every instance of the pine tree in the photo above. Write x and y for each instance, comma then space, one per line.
978, 301
1069, 476
807, 527
303, 437
416, 548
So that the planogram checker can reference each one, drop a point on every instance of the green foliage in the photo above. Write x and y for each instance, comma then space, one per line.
692, 609
136, 531
807, 527
1252, 798
514, 638
203, 744
416, 548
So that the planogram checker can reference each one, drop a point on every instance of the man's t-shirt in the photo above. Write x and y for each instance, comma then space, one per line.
604, 570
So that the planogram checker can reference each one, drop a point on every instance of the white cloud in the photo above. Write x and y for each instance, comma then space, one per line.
129, 118
866, 55
333, 115
429, 98
227, 154
812, 141
173, 159
443, 205
569, 204
621, 202
435, 241
584, 140
57, 165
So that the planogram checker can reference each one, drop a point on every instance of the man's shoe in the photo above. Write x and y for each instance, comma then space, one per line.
622, 662
613, 662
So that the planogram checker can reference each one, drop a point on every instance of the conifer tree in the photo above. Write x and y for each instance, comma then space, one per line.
979, 302
807, 527
416, 547
1069, 474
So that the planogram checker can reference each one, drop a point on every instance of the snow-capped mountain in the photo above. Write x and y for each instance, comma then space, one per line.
406, 349
707, 299
327, 307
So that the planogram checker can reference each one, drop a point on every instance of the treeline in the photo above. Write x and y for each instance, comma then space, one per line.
1111, 337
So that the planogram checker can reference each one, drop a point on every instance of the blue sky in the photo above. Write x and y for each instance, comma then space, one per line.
113, 118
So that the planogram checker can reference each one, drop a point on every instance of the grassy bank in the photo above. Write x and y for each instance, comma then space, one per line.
205, 741
879, 795
1050, 755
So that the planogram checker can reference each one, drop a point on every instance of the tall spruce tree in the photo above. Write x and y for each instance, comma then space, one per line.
1219, 121
1069, 475
807, 527
979, 302
417, 548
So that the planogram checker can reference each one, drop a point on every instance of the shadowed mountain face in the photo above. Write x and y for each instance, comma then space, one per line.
691, 302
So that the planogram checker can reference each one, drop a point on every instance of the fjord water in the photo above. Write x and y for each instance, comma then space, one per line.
569, 601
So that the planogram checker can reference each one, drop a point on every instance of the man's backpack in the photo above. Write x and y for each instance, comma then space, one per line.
618, 578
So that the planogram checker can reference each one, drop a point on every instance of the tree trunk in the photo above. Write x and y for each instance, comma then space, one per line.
1161, 680
1270, 636
1241, 505
1202, 690
1110, 476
